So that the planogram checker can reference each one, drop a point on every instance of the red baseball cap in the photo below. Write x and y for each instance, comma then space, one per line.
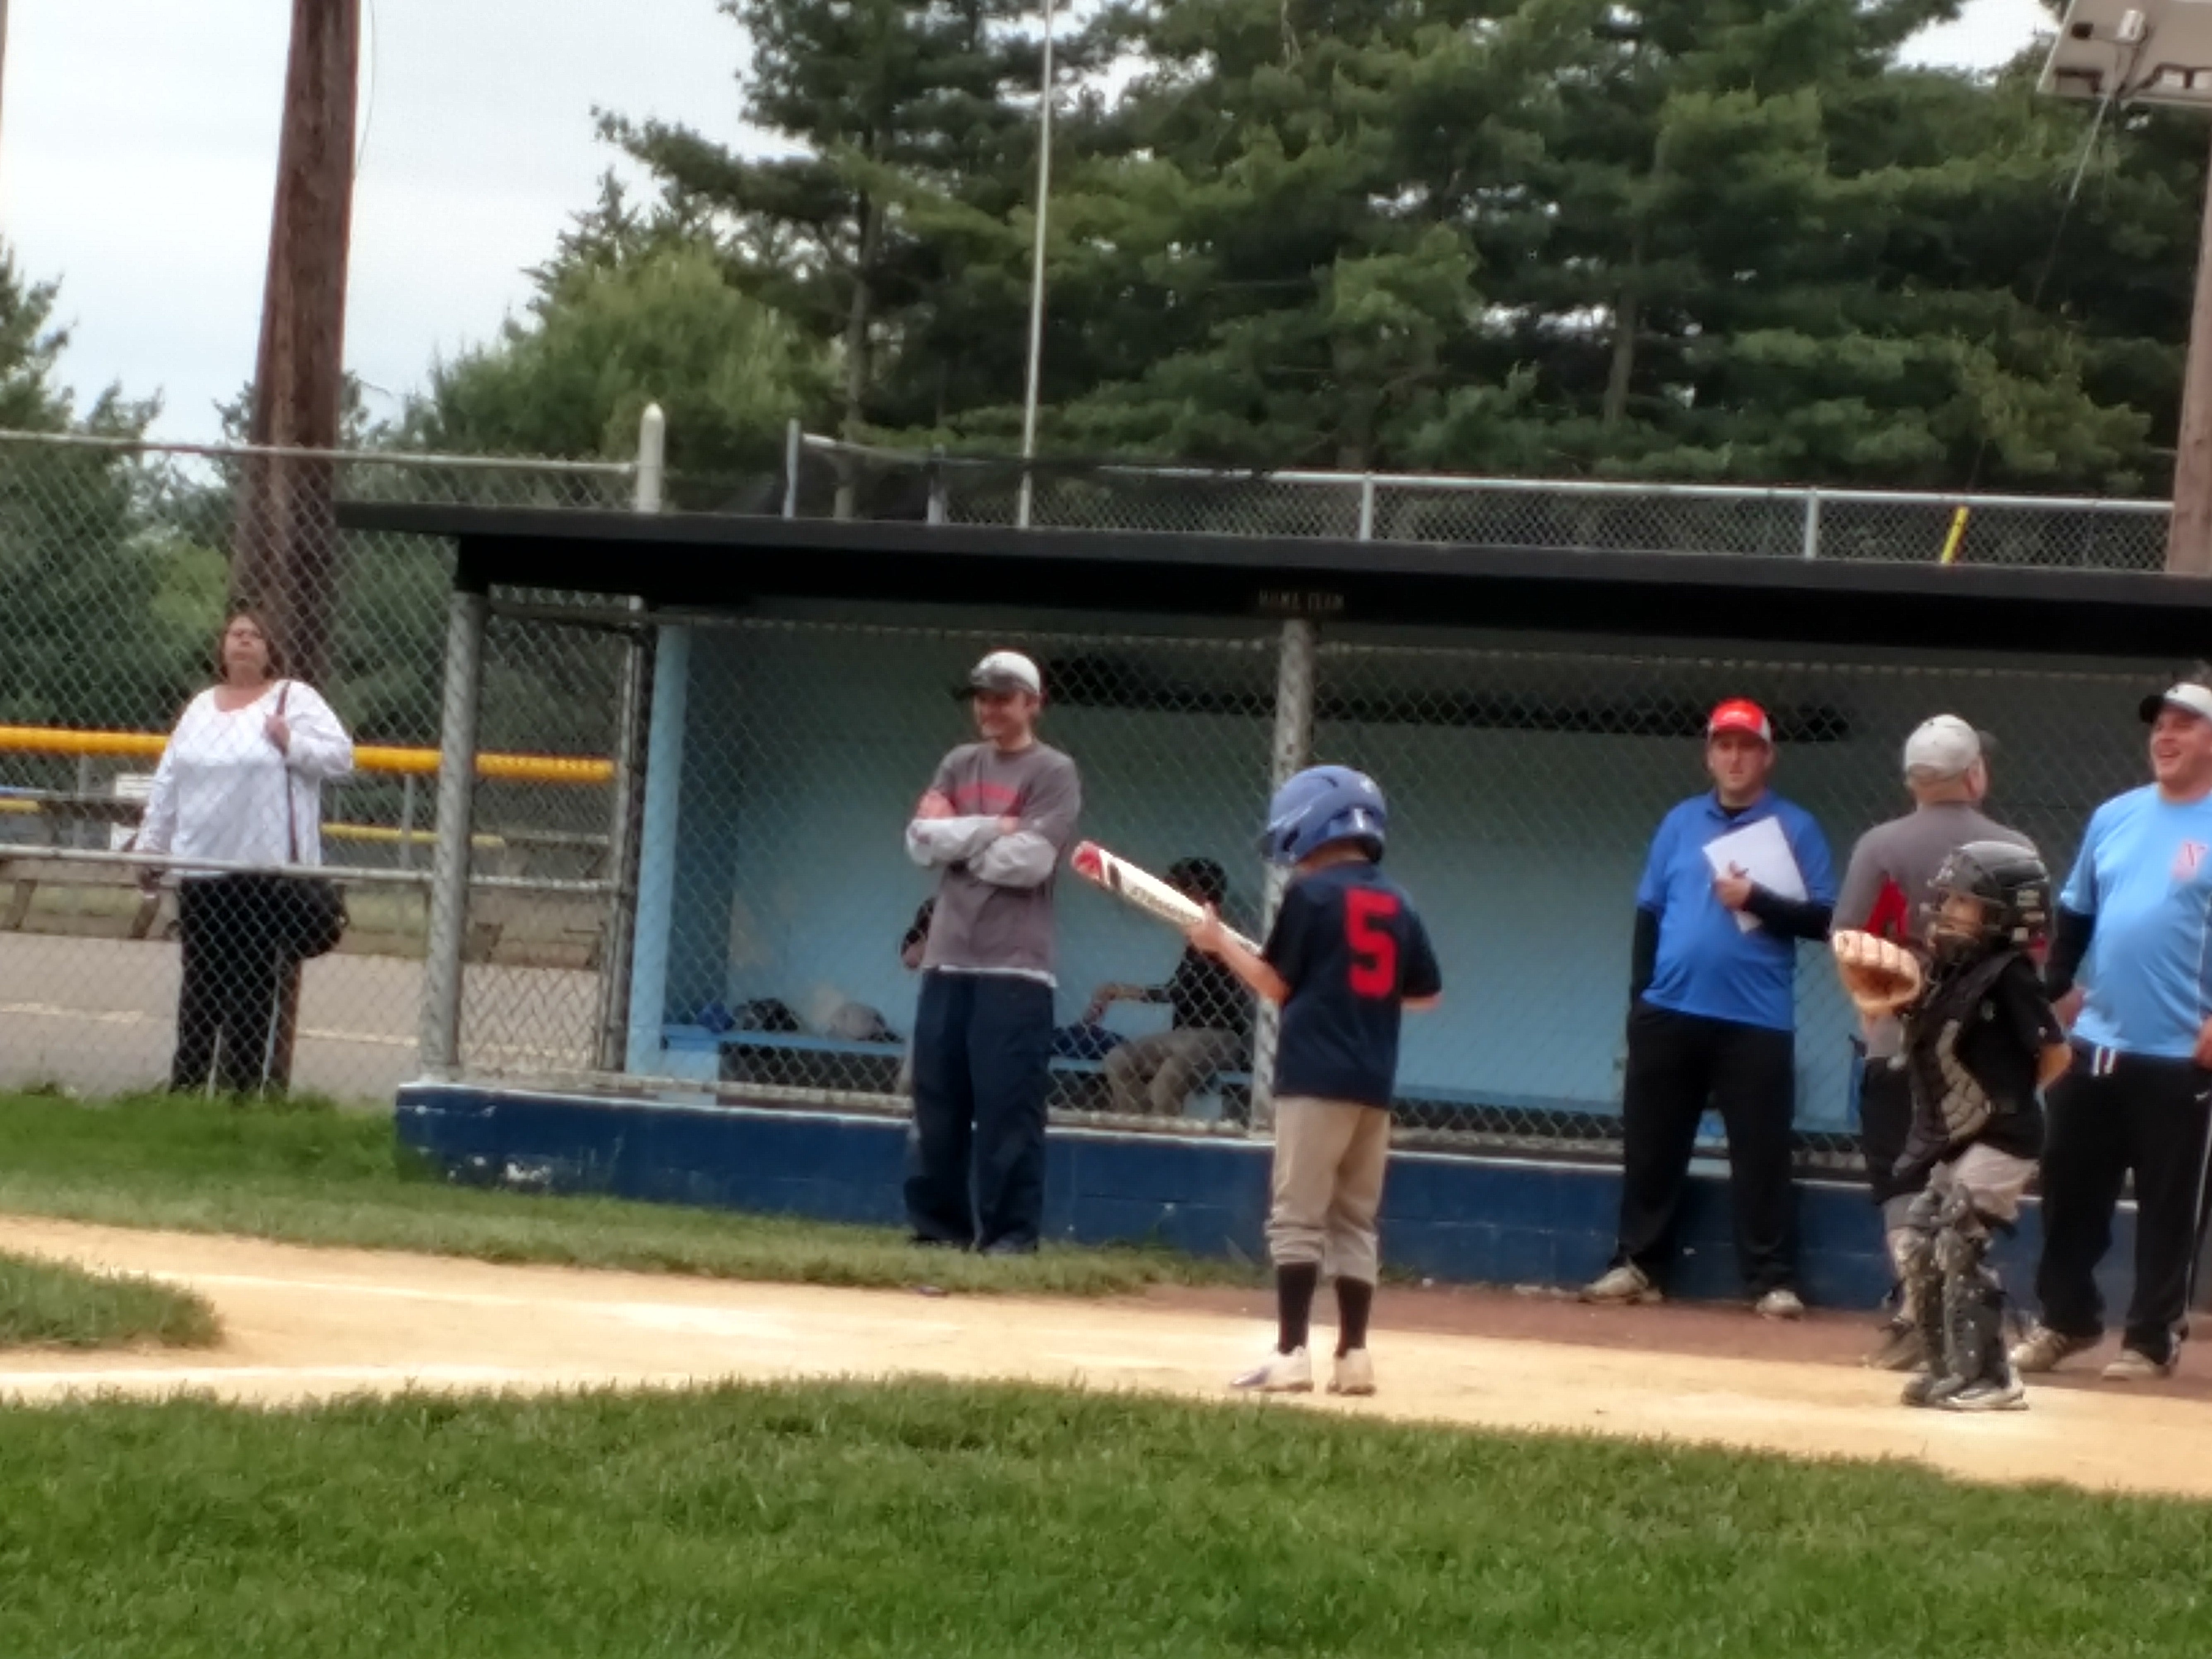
1740, 714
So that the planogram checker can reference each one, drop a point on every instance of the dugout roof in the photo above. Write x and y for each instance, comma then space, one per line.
722, 561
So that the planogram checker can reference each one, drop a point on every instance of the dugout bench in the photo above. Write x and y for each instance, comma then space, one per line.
787, 1059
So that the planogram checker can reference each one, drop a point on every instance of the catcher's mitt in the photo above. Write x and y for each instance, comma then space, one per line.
1879, 977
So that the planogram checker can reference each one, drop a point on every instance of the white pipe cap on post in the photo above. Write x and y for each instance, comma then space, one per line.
652, 458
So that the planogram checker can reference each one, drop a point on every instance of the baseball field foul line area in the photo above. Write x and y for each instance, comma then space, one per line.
305, 1324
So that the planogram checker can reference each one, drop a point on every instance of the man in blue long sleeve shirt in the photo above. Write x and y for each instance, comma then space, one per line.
1713, 1019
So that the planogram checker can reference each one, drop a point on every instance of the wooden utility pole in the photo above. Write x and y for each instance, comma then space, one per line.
2189, 540
284, 552
284, 555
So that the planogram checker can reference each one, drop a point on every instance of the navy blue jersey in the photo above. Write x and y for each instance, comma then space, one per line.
1351, 949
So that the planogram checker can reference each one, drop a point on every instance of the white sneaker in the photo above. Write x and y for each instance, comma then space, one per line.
1780, 1302
1987, 1395
1622, 1286
1284, 1373
2042, 1349
2135, 1366
1929, 1388
1354, 1373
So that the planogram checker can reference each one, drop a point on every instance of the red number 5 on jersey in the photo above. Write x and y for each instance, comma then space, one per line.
1367, 916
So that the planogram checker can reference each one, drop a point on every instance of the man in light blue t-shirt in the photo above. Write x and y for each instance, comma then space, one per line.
2131, 967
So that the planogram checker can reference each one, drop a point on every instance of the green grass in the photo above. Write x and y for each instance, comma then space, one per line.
310, 1174
929, 1520
50, 1304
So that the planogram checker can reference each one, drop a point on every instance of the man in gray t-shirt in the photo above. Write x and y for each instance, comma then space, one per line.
996, 822
1885, 887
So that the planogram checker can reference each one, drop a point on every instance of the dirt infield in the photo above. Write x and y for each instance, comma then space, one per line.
304, 1324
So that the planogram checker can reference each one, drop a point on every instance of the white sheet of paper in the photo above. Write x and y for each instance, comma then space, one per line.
1762, 852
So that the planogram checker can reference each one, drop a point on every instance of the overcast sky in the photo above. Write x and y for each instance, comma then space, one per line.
138, 145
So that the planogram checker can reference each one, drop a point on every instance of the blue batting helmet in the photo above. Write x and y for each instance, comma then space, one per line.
1320, 805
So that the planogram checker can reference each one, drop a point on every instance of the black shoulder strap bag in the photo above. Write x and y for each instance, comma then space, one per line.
313, 909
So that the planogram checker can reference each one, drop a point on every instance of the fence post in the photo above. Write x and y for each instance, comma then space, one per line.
1812, 547
656, 849
407, 822
633, 692
1293, 747
441, 1034
793, 450
1367, 507
936, 514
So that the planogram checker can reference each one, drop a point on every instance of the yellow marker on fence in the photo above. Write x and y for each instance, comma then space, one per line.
1958, 534
367, 757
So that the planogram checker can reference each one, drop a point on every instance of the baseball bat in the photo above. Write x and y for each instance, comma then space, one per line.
1139, 887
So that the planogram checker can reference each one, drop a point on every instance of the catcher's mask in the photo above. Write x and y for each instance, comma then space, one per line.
1989, 895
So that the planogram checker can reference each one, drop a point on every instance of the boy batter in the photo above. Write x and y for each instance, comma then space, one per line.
1347, 954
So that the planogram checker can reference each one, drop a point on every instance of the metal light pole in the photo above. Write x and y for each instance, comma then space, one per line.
2124, 54
2188, 537
1036, 274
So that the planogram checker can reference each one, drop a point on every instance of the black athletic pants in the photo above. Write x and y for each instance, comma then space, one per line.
2111, 1115
1885, 1122
227, 1001
1678, 1066
982, 1045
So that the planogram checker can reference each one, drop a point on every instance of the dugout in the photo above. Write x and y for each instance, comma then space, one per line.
1532, 713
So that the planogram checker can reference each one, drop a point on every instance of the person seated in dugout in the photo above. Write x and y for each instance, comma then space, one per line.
1209, 1027
915, 939
912, 944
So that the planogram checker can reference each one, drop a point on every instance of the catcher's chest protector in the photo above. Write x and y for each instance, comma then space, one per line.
1950, 1103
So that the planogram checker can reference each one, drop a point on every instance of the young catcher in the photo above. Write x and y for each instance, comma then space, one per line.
1980, 1040
1346, 953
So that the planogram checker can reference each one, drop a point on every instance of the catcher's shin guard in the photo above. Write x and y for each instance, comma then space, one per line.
1901, 1242
1973, 1301
1923, 1296
1902, 1347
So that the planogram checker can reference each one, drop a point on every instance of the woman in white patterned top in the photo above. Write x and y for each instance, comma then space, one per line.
240, 782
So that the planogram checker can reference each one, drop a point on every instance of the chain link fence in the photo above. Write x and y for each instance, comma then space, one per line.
1526, 785
776, 911
717, 902
119, 559
1581, 515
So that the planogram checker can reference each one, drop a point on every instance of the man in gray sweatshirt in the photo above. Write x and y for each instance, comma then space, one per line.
1886, 888
996, 822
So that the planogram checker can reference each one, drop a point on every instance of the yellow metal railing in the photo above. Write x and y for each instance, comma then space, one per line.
367, 757
375, 835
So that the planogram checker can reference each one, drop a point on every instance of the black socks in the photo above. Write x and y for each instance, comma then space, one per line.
1355, 1300
1295, 1285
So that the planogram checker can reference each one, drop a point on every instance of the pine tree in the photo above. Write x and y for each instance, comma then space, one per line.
72, 545
1288, 218
914, 155
1774, 254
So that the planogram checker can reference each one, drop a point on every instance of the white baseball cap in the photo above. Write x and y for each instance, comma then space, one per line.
1005, 671
2188, 697
1944, 747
